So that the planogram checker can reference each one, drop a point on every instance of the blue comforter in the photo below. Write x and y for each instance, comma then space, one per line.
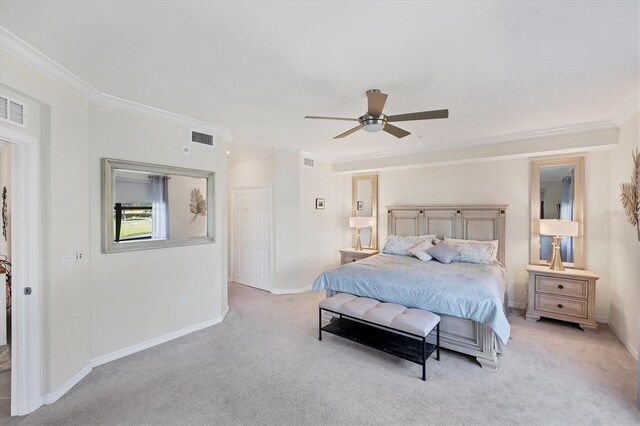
464, 290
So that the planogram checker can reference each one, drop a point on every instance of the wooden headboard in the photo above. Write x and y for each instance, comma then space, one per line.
466, 221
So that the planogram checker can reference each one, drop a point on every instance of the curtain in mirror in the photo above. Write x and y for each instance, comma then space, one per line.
566, 213
160, 210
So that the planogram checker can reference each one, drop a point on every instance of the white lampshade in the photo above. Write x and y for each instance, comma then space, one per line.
360, 222
563, 228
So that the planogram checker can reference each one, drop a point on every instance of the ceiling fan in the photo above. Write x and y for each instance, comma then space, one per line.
374, 120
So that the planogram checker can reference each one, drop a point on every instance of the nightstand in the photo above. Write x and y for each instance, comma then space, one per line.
351, 255
568, 295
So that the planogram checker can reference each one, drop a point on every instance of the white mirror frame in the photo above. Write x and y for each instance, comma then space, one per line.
374, 207
109, 246
578, 208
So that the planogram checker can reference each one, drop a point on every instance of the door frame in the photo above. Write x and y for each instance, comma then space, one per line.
233, 229
25, 248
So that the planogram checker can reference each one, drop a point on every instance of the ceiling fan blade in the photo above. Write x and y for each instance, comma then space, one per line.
395, 131
425, 115
315, 117
348, 132
377, 100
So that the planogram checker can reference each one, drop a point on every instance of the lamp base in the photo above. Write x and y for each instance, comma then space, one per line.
358, 243
555, 260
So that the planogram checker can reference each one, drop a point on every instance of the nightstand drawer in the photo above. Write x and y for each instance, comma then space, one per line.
560, 286
559, 305
351, 258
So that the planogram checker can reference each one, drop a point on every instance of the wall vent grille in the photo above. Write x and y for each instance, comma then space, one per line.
202, 138
11, 111
308, 162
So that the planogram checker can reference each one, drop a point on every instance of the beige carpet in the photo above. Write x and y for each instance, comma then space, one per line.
265, 365
5, 358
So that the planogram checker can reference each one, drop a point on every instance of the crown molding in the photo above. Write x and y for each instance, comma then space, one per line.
481, 141
22, 50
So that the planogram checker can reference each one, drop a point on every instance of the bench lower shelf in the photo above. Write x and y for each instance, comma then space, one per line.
386, 341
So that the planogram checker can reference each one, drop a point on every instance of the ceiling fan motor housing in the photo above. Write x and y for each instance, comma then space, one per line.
373, 124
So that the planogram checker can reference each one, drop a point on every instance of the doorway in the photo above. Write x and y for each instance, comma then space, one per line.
252, 236
23, 194
5, 278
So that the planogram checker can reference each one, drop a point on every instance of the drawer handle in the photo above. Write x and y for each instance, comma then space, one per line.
560, 305
560, 286
353, 260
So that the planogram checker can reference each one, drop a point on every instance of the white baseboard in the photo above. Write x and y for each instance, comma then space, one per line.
625, 342
279, 291
603, 320
50, 398
156, 341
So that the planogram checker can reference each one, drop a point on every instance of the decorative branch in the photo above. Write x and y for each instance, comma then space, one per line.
198, 205
630, 194
4, 213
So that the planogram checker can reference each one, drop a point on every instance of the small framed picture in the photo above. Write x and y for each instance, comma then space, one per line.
360, 205
319, 203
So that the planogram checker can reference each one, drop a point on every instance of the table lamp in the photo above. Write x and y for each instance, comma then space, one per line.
557, 229
359, 222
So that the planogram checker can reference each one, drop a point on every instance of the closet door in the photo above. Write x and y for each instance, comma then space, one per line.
252, 231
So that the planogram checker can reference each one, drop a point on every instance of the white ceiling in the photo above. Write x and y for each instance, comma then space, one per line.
258, 68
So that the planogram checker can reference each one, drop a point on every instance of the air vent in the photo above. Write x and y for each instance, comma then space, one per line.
308, 162
202, 138
11, 111
4, 108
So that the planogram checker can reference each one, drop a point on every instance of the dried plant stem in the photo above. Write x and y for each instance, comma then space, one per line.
630, 194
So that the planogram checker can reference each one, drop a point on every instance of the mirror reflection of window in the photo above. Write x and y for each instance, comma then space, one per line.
364, 208
557, 202
140, 206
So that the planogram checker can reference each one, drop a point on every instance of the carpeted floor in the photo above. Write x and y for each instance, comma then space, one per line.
265, 365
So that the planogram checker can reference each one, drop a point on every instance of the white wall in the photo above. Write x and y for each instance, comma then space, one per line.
306, 240
65, 175
136, 295
324, 231
623, 243
108, 302
286, 211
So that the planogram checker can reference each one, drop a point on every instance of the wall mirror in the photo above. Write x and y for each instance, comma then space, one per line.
364, 192
148, 206
557, 192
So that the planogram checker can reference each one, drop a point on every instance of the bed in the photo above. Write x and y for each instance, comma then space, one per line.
470, 298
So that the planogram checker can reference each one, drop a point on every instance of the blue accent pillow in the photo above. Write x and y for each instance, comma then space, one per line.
443, 253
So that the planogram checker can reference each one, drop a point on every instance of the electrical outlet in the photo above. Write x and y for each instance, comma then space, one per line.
66, 263
183, 299
79, 256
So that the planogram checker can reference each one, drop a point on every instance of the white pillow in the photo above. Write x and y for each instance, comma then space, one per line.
474, 251
420, 250
397, 244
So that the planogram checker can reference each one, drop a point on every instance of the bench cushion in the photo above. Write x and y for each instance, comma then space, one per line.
398, 317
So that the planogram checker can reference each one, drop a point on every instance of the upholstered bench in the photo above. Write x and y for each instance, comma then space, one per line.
388, 327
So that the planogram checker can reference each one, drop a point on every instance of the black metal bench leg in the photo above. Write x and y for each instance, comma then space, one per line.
424, 358
438, 342
320, 324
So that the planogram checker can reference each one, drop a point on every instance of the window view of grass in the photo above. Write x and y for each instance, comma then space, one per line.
135, 228
136, 221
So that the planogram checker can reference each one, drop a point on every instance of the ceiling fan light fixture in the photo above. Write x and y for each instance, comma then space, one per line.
373, 124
